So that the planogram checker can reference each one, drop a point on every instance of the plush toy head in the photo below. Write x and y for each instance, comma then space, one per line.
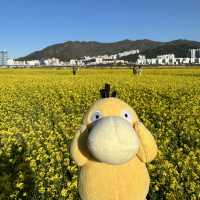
111, 137
111, 133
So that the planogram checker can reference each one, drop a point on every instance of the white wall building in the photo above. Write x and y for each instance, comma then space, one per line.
33, 62
126, 53
195, 53
51, 62
73, 62
142, 60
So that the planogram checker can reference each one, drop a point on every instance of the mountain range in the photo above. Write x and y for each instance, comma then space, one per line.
77, 49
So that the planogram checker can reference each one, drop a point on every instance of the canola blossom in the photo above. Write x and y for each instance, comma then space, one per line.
41, 110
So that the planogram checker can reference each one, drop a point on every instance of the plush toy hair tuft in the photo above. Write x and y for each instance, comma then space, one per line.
105, 92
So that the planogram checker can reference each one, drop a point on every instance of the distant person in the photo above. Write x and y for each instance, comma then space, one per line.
134, 70
74, 69
137, 70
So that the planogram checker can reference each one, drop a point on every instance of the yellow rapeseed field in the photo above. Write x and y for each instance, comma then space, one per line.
41, 109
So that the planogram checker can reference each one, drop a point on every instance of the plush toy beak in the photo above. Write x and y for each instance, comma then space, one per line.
113, 140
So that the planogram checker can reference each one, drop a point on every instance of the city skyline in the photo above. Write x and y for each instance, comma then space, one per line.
99, 60
29, 26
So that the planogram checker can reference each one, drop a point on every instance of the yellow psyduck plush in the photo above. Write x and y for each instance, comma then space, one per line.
111, 149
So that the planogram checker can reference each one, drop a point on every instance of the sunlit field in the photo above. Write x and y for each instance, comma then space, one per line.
41, 109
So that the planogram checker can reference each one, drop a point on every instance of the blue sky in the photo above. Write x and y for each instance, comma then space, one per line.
29, 25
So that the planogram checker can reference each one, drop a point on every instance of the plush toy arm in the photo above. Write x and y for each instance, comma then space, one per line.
78, 156
148, 148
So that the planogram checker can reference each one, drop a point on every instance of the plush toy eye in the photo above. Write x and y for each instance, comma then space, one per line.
96, 116
126, 115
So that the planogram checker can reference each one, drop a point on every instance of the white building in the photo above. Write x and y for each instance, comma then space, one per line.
33, 62
73, 62
168, 59
195, 53
99, 60
10, 62
142, 60
51, 62
126, 53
